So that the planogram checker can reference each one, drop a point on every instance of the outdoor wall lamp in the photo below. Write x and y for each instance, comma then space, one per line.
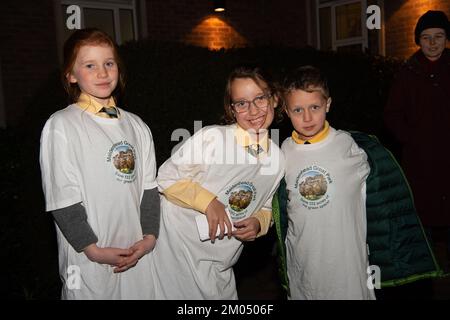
219, 5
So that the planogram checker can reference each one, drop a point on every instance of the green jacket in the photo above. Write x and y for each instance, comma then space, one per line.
395, 235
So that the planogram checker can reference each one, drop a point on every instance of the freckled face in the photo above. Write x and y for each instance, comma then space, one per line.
95, 71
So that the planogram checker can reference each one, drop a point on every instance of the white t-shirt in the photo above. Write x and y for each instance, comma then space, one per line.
105, 164
326, 236
184, 266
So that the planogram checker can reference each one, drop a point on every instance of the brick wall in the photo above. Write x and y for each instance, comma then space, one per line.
243, 22
401, 18
28, 52
28, 48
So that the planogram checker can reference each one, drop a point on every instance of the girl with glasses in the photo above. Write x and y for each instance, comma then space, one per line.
227, 174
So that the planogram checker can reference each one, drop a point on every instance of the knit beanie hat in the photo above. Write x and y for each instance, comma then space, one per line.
432, 19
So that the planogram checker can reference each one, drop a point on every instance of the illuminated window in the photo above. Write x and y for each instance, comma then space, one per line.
341, 25
115, 17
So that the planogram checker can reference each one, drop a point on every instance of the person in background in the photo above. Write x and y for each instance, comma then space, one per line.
418, 115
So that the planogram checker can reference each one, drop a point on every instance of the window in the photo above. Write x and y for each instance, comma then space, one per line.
342, 25
115, 17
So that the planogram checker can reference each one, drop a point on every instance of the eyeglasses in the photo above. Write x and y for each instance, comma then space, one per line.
260, 102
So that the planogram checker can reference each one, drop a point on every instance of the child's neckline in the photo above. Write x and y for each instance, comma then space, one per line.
316, 145
109, 121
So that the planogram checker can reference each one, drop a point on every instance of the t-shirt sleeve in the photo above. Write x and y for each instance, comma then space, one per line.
180, 177
59, 174
362, 166
186, 163
149, 161
264, 215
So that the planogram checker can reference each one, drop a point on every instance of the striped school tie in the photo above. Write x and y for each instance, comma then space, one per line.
255, 149
111, 111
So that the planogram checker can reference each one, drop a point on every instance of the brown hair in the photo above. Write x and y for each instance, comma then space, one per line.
261, 78
306, 78
80, 38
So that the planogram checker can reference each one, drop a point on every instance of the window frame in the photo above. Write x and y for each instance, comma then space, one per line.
115, 6
363, 40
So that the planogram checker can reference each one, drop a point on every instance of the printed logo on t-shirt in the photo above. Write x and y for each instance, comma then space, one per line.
122, 157
240, 196
313, 185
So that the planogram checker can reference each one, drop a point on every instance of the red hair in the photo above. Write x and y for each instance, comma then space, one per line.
78, 39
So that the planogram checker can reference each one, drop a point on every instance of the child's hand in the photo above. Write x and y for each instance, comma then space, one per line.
111, 256
216, 215
139, 249
247, 229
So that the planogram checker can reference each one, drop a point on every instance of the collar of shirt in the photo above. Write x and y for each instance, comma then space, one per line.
244, 138
87, 103
318, 137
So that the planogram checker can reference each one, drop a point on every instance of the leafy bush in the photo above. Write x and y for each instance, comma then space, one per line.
171, 85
